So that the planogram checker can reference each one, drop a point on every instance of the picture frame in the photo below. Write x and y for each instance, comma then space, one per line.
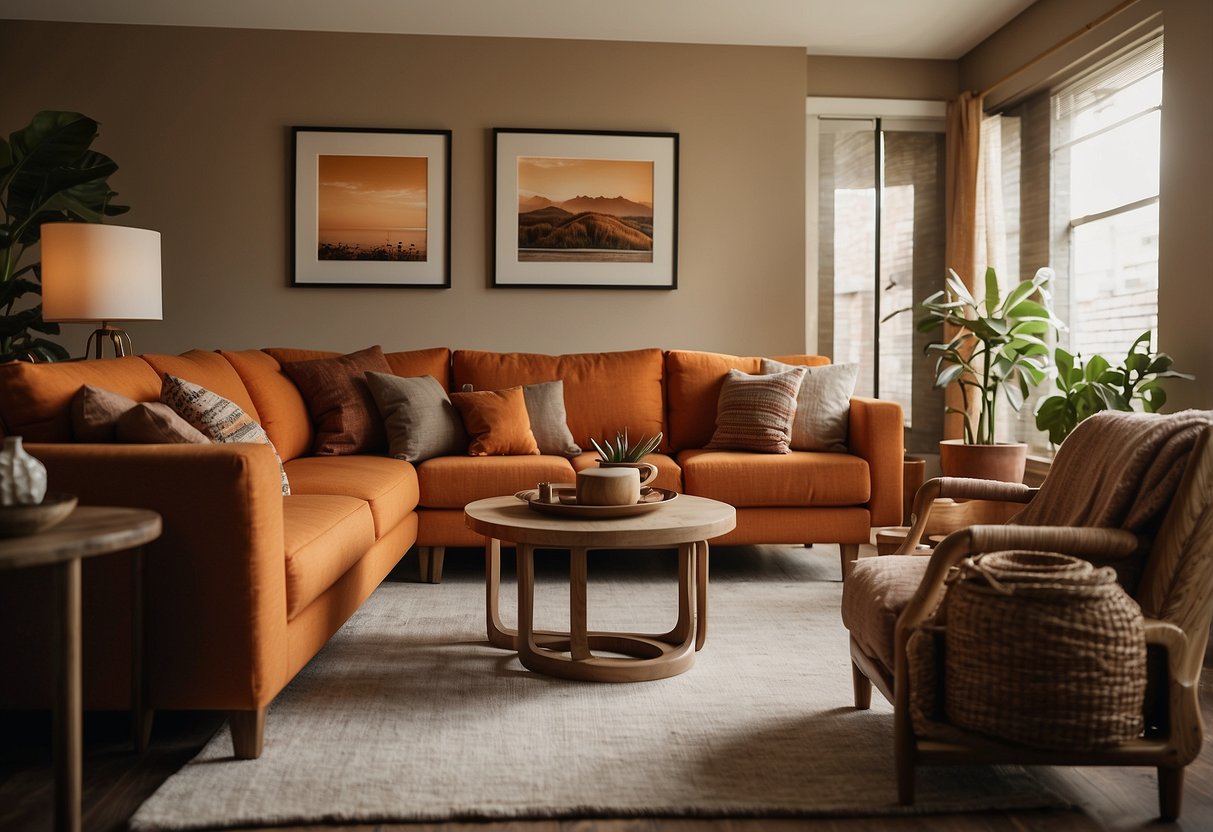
372, 207
585, 209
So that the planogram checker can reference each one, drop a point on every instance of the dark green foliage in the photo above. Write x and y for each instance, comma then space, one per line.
47, 174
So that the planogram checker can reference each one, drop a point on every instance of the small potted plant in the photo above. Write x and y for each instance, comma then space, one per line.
998, 347
623, 454
1087, 387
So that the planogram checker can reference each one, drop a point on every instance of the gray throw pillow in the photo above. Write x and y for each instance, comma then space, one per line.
549, 422
420, 420
823, 405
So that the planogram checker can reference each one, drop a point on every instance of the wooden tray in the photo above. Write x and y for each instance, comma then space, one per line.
651, 499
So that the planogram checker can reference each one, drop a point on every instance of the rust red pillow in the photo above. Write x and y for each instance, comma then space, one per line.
344, 414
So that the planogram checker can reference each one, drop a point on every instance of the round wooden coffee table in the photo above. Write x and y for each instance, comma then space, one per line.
686, 524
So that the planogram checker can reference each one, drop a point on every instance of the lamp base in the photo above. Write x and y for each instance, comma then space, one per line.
118, 338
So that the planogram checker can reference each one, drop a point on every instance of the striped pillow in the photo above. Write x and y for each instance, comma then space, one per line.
215, 417
755, 413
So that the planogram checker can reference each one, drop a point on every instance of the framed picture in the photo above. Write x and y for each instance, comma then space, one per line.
372, 207
591, 210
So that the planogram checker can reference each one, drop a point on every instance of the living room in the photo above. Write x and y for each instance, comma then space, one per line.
198, 111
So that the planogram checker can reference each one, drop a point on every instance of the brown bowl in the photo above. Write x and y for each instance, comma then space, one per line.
19, 520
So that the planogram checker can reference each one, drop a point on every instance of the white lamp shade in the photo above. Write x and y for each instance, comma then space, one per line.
94, 272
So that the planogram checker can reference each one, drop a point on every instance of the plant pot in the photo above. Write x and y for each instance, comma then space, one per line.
1004, 462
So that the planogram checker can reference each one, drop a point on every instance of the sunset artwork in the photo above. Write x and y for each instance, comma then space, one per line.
372, 208
584, 210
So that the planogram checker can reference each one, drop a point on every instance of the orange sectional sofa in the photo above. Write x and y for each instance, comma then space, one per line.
245, 585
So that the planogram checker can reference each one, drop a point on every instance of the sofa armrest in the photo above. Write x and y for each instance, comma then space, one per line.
876, 435
216, 579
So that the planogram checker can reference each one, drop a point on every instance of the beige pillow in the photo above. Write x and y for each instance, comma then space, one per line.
754, 413
823, 405
153, 422
95, 413
216, 417
420, 420
549, 422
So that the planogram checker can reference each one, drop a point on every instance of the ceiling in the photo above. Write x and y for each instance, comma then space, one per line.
943, 29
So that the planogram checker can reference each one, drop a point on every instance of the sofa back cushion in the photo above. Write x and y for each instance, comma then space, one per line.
35, 399
693, 382
210, 370
434, 361
278, 401
604, 392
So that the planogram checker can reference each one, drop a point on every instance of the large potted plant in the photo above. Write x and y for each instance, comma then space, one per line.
999, 347
1087, 387
47, 174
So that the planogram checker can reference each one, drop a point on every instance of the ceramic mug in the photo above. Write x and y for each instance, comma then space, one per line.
608, 487
648, 471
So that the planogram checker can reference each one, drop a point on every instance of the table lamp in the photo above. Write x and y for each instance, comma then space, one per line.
94, 272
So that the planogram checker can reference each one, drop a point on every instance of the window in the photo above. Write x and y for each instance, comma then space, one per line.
880, 223
1105, 149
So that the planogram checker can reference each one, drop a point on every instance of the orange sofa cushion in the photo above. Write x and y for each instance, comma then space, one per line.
37, 398
693, 382
604, 392
496, 422
323, 537
210, 370
283, 412
455, 481
389, 485
797, 478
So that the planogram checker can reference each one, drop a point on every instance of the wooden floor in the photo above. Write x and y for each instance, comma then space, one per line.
116, 782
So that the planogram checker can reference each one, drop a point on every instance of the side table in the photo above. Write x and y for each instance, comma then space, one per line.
88, 531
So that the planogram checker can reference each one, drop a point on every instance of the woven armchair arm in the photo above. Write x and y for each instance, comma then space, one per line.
957, 488
1183, 698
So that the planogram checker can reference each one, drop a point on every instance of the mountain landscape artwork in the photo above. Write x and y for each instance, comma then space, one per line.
584, 210
372, 208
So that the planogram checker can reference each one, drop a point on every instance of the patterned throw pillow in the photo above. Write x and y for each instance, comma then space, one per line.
421, 422
549, 422
497, 422
754, 413
343, 411
216, 417
823, 405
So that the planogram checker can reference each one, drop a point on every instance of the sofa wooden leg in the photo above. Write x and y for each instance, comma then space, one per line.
1170, 792
847, 552
863, 688
429, 562
248, 732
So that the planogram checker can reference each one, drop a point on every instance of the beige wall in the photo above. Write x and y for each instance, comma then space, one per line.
843, 77
1185, 210
198, 120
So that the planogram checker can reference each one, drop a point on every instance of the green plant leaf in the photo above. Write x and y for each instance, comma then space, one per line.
992, 291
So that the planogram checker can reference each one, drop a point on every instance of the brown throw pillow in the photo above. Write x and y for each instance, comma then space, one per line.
343, 411
156, 423
497, 422
95, 413
755, 413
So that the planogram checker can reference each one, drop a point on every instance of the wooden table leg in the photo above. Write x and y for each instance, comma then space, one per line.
499, 635
701, 593
68, 718
525, 559
579, 643
141, 715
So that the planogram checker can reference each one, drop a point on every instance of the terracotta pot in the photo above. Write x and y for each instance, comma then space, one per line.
1004, 461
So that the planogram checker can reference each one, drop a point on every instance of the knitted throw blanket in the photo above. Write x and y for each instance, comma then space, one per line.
1117, 470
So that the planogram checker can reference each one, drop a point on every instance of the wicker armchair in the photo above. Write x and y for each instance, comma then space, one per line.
886, 599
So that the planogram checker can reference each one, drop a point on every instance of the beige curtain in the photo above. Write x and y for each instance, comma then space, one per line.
963, 151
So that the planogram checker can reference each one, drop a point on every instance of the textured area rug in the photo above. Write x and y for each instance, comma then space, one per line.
409, 714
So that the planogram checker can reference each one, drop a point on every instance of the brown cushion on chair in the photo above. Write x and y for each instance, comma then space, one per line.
95, 413
874, 595
343, 411
157, 423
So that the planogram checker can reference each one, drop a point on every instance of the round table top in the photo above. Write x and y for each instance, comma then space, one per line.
87, 531
686, 519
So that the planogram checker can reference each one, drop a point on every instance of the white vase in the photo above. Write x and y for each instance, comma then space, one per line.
22, 477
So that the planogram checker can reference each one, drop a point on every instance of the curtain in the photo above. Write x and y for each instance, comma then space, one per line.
963, 154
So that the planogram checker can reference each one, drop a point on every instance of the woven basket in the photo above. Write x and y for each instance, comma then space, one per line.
1043, 650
